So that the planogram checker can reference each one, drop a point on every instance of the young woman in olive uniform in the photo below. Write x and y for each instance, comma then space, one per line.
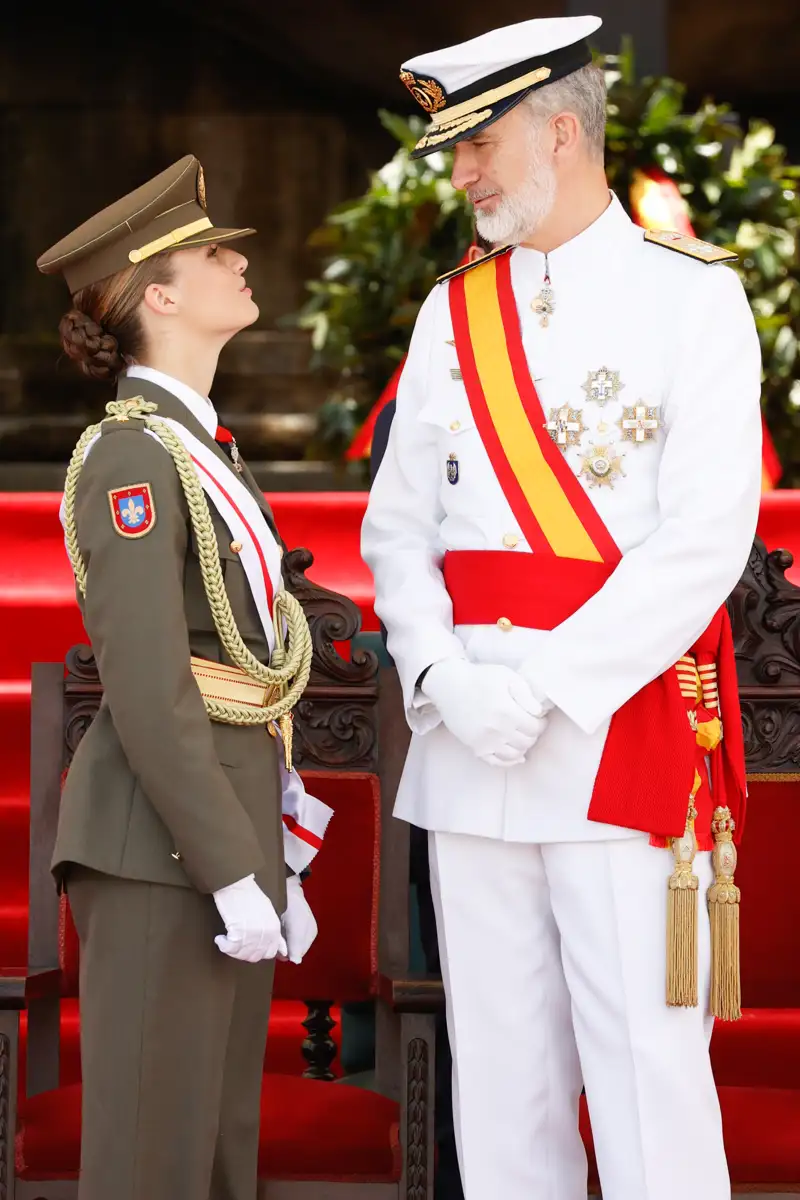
170, 840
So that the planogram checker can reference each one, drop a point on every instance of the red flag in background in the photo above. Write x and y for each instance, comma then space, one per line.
656, 203
361, 445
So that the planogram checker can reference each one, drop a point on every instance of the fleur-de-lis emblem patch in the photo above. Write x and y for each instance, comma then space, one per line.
133, 510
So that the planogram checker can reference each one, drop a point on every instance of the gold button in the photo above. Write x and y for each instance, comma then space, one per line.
504, 624
510, 540
236, 547
455, 425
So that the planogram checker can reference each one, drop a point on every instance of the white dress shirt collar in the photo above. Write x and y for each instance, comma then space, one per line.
598, 240
199, 406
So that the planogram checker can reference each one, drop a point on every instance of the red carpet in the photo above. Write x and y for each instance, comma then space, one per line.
40, 621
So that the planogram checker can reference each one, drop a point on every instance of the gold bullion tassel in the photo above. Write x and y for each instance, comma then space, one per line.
287, 734
723, 906
682, 915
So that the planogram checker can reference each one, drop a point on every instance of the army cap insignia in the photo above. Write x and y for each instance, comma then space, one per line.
133, 510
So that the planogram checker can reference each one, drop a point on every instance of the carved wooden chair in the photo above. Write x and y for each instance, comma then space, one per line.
320, 1140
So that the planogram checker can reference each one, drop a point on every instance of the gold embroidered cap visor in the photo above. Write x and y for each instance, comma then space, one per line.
167, 213
466, 88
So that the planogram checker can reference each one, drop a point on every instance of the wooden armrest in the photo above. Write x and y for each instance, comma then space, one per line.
18, 986
415, 994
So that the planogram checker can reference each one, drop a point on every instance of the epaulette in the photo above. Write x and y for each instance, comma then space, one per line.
478, 261
692, 246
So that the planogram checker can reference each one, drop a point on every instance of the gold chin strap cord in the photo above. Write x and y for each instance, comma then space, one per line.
290, 665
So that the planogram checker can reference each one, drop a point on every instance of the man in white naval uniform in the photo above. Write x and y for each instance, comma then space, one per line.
552, 921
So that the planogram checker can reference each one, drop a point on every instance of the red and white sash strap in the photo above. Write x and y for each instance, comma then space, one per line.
238, 507
305, 818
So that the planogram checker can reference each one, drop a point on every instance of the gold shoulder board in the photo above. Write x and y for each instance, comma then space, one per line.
702, 251
470, 266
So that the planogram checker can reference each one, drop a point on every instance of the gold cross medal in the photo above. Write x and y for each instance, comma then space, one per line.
602, 386
601, 466
640, 424
544, 305
566, 426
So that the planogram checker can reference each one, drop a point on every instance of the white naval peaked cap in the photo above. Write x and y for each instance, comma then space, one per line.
464, 88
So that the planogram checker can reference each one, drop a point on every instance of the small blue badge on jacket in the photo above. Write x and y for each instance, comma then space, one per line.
452, 469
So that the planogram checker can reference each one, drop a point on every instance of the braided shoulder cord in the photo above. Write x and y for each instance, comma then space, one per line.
291, 659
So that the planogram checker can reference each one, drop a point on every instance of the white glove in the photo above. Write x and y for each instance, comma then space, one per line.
252, 927
299, 924
489, 708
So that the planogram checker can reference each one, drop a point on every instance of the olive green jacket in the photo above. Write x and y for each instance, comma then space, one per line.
156, 791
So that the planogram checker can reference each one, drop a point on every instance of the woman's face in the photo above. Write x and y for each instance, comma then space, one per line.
208, 293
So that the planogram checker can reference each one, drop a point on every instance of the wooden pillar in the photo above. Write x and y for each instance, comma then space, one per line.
643, 20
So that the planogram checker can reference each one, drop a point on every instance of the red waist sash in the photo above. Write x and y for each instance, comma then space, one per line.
651, 751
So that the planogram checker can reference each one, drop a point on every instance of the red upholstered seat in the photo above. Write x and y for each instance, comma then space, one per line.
313, 1130
309, 1130
761, 1050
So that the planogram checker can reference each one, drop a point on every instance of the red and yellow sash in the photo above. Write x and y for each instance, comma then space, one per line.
552, 508
651, 751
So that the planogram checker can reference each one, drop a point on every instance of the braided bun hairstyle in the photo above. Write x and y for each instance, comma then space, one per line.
103, 332
87, 344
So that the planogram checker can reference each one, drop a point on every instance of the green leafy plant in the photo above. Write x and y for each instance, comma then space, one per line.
383, 251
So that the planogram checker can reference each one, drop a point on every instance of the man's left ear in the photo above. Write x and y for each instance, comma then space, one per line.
567, 132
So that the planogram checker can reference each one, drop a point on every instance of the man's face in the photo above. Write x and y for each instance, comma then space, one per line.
508, 174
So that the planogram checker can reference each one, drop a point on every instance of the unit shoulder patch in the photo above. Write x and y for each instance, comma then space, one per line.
477, 263
133, 510
691, 246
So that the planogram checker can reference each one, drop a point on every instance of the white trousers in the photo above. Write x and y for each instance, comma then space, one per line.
553, 958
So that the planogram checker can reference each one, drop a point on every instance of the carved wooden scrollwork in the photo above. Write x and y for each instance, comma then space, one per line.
417, 1100
6, 1150
335, 720
82, 695
771, 735
765, 611
331, 618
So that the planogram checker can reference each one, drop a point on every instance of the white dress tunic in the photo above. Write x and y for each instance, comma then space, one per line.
635, 326
551, 927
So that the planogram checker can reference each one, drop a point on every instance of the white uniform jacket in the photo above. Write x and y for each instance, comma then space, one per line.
634, 324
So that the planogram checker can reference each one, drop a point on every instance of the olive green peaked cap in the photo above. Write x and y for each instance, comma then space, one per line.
167, 213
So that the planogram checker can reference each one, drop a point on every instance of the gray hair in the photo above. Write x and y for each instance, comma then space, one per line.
582, 93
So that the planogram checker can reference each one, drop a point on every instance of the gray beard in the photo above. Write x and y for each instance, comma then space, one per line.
522, 212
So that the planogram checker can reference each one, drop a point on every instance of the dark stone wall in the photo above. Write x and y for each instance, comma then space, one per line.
279, 103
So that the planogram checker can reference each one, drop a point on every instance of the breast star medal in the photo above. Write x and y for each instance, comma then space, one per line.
565, 426
544, 305
602, 386
640, 424
601, 466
